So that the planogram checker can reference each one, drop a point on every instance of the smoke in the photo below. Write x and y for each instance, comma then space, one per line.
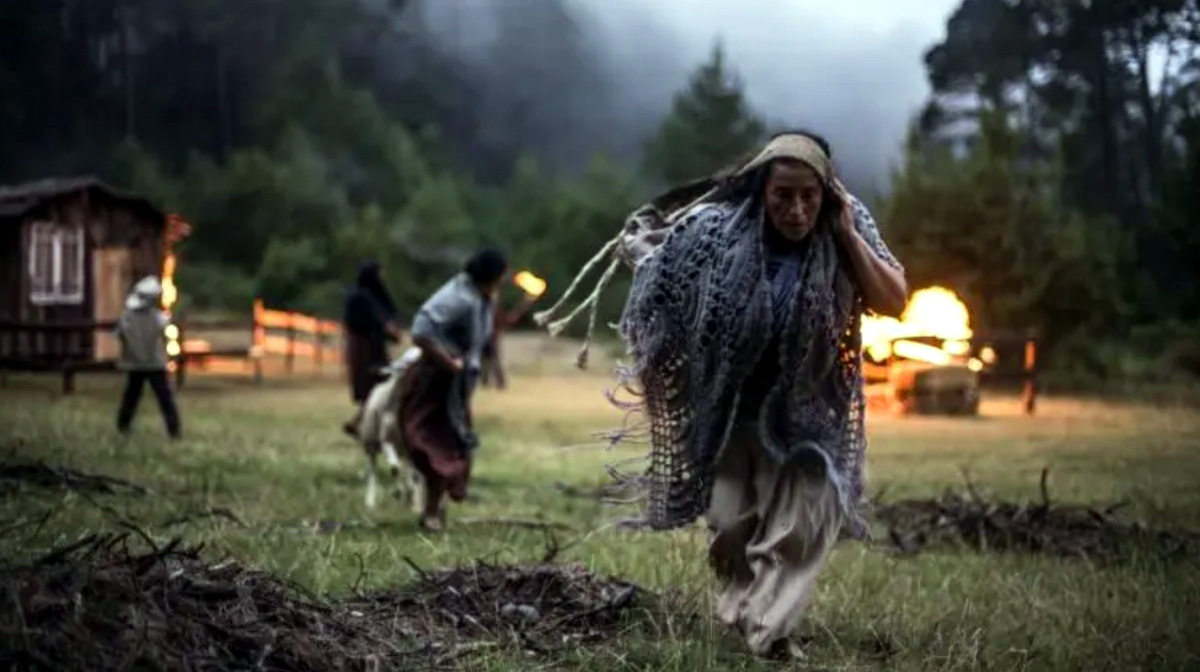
576, 77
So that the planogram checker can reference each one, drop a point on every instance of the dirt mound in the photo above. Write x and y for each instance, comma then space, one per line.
543, 607
97, 605
1044, 527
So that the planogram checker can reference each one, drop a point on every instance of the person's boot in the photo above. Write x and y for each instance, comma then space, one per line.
433, 518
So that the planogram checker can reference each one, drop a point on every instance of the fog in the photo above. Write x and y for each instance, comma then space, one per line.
851, 70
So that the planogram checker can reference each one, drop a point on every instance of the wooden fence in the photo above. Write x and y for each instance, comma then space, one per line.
298, 343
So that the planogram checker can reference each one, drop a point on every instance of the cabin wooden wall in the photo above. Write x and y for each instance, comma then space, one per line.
118, 225
51, 345
11, 270
107, 223
11, 267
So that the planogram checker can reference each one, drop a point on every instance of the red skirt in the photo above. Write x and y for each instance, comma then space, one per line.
433, 447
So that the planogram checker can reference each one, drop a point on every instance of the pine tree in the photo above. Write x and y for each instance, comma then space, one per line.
710, 125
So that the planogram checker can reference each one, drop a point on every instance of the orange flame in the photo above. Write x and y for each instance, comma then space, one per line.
530, 283
933, 312
170, 293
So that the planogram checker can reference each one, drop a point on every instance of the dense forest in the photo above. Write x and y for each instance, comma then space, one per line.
1052, 180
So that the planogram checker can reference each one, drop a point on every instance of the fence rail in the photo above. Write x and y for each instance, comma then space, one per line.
302, 342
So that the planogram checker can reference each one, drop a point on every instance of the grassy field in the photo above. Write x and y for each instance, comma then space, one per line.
274, 456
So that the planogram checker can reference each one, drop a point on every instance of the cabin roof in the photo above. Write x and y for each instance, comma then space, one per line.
18, 199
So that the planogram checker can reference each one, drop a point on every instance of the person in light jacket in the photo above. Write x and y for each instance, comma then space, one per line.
144, 355
451, 330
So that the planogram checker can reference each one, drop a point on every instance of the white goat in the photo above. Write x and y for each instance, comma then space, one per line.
379, 431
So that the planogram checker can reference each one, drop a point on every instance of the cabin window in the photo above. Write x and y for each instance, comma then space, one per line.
55, 263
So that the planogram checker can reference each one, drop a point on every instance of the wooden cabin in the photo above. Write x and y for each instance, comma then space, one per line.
70, 250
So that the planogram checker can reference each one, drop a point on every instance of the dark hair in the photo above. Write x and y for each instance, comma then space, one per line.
368, 280
486, 266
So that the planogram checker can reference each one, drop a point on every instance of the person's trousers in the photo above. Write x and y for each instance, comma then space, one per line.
772, 527
160, 385
492, 369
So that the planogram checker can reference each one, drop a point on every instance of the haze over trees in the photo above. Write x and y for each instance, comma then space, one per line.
1053, 179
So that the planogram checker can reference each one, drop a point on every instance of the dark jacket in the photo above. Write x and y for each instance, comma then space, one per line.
367, 311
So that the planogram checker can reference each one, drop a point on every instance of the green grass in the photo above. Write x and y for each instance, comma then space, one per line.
274, 456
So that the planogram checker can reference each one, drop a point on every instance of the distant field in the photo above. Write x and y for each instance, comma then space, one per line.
273, 455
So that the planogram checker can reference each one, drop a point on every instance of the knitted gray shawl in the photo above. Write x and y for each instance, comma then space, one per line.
699, 316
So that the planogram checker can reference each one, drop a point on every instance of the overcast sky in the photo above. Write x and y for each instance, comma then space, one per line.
851, 69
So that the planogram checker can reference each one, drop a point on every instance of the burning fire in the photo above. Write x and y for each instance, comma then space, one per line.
176, 229
530, 283
932, 313
170, 293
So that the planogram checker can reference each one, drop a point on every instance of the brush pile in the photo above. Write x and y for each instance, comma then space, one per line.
14, 475
541, 607
98, 605
1043, 527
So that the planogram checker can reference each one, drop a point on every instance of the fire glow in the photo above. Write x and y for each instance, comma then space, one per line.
176, 229
530, 283
932, 313
170, 293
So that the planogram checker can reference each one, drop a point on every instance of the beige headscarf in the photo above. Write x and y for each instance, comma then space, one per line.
792, 146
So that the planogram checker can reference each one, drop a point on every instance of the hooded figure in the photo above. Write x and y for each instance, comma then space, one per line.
370, 322
144, 354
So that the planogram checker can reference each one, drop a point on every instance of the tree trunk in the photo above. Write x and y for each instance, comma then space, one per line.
127, 70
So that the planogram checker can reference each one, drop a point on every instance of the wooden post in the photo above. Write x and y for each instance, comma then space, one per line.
290, 357
319, 345
68, 381
180, 361
258, 341
1029, 393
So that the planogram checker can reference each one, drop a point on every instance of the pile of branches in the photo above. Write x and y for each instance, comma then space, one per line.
16, 474
541, 608
100, 605
1043, 527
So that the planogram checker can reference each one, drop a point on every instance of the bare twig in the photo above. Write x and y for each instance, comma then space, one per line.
970, 485
362, 572
514, 522
26, 522
552, 547
40, 473
216, 512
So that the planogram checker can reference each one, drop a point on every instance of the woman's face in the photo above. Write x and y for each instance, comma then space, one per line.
794, 198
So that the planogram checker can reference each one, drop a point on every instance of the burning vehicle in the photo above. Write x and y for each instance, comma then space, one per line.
923, 363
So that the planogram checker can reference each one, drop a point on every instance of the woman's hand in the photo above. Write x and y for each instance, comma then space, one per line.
447, 361
844, 226
883, 287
